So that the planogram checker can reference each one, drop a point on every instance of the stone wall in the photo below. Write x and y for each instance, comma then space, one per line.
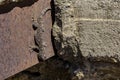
88, 27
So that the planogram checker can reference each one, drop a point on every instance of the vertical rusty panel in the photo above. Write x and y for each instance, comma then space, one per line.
17, 35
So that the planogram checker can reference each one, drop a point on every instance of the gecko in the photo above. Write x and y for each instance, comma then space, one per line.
38, 26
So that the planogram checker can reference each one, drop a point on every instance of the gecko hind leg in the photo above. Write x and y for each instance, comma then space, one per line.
35, 48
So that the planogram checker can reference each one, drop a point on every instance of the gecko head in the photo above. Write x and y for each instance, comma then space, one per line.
42, 57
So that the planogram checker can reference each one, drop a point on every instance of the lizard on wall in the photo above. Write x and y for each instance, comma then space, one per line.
39, 30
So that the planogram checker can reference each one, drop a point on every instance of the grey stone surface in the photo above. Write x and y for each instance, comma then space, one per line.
102, 9
88, 28
99, 38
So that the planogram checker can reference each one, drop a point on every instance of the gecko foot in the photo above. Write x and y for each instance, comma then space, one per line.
35, 48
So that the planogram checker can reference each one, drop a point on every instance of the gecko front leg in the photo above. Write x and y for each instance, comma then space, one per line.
35, 25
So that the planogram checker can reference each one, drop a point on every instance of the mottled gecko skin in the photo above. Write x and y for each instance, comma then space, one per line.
39, 41
39, 30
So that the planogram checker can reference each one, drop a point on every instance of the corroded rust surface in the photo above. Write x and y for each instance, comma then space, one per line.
17, 36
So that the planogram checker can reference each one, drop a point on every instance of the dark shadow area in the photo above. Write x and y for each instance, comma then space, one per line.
34, 74
51, 69
55, 10
53, 20
59, 23
8, 7
52, 11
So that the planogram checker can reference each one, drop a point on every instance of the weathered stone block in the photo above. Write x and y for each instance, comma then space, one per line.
102, 9
88, 27
99, 38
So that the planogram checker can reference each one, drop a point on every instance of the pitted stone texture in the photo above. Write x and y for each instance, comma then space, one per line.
99, 38
88, 28
98, 9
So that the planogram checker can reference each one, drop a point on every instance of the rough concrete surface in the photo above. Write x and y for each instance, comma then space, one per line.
88, 27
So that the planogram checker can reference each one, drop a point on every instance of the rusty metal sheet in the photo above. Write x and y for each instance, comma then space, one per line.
17, 36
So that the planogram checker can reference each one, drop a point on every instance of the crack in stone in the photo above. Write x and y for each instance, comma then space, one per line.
90, 19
